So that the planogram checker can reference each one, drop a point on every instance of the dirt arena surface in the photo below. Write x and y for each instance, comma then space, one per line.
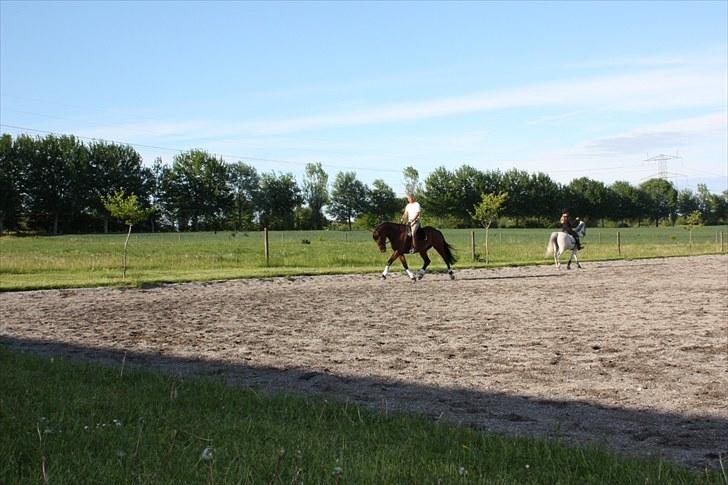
629, 354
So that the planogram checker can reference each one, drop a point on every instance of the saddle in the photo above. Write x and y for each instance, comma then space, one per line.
420, 235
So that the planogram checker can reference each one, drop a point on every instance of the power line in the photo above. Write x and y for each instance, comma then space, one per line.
179, 150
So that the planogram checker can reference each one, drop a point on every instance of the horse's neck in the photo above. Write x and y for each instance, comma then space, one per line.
394, 232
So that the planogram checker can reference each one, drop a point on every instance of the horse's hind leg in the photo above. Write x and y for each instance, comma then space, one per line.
426, 262
406, 268
576, 258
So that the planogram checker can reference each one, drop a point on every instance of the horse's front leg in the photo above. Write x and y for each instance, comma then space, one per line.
406, 268
389, 264
568, 265
557, 257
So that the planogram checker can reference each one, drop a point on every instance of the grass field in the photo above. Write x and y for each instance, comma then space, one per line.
96, 260
83, 423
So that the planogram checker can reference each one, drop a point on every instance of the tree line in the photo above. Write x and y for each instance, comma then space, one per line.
58, 184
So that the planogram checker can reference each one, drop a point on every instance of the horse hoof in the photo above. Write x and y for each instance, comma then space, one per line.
452, 276
419, 276
384, 277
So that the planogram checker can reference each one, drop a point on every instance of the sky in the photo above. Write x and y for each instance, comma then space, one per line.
570, 89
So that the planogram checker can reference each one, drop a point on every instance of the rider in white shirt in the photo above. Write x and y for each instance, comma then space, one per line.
412, 215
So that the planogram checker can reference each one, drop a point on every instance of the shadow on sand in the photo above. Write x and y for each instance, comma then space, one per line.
694, 441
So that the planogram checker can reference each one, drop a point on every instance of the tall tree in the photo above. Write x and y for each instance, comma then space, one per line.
687, 202
468, 183
543, 196
245, 184
590, 198
348, 198
709, 205
439, 194
517, 184
626, 201
57, 181
661, 199
412, 181
197, 191
117, 168
383, 204
316, 193
10, 184
279, 197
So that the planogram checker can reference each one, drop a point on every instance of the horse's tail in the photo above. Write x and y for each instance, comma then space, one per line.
447, 249
553, 243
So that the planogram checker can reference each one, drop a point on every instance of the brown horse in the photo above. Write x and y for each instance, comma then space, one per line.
401, 242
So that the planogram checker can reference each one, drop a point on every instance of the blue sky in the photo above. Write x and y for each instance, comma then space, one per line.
570, 89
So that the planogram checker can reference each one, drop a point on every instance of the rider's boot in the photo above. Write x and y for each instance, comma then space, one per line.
578, 244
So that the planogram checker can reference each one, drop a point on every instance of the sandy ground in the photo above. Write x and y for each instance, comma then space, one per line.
629, 354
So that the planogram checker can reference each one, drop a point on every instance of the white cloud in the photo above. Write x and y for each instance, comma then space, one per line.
674, 133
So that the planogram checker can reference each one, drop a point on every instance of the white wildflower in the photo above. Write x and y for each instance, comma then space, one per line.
207, 453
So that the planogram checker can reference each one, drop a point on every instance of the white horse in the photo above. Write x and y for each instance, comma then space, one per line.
560, 242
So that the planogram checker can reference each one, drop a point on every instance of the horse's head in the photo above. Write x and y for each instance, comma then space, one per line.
380, 239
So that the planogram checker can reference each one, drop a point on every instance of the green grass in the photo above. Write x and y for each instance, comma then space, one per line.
82, 423
95, 260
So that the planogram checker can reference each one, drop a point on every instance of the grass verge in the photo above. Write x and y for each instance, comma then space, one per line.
70, 422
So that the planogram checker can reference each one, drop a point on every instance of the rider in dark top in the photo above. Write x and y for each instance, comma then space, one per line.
567, 226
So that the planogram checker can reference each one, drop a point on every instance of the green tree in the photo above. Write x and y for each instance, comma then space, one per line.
158, 173
661, 199
687, 202
589, 198
197, 191
412, 181
488, 211
440, 195
625, 201
57, 180
383, 204
279, 196
245, 185
116, 168
517, 183
709, 205
316, 193
127, 210
10, 184
348, 198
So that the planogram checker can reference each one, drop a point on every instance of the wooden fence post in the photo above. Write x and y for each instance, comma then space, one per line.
266, 248
472, 245
619, 243
721, 241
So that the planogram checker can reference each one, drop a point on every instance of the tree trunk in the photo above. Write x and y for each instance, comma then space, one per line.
126, 243
106, 224
486, 244
55, 224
